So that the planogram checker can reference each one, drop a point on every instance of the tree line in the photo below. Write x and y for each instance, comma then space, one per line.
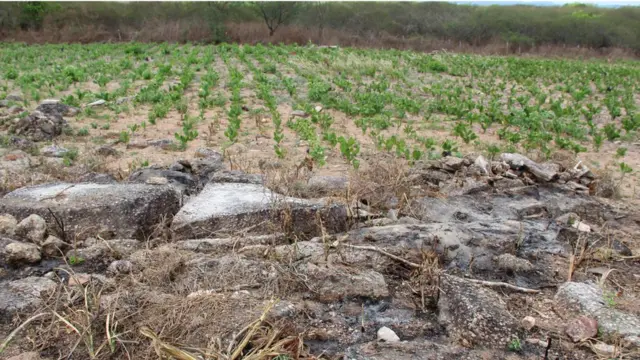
525, 26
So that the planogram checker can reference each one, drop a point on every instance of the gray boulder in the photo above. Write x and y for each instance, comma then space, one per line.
53, 246
55, 107
8, 225
230, 207
32, 228
208, 153
475, 314
88, 209
19, 253
204, 168
40, 126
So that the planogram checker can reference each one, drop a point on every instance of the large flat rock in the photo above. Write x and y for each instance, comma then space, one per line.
224, 208
88, 209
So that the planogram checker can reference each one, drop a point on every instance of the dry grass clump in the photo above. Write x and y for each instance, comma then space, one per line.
131, 320
160, 266
381, 182
605, 185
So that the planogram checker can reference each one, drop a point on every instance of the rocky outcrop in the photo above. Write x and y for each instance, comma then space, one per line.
46, 122
474, 314
474, 174
108, 210
231, 207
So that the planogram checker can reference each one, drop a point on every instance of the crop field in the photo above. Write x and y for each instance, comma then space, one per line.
336, 106
383, 196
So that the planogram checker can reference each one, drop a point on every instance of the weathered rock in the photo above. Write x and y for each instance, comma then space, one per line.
606, 350
137, 144
106, 151
517, 162
8, 225
39, 126
179, 179
465, 187
581, 226
54, 151
482, 164
108, 210
452, 163
23, 294
582, 328
443, 238
506, 183
164, 144
176, 166
97, 103
32, 228
513, 263
236, 176
299, 113
204, 168
386, 334
18, 253
55, 107
420, 175
157, 180
208, 153
120, 267
97, 178
528, 323
230, 207
336, 283
473, 313
54, 247
575, 299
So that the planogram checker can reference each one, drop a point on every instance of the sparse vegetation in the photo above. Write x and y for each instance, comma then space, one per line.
515, 345
382, 136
